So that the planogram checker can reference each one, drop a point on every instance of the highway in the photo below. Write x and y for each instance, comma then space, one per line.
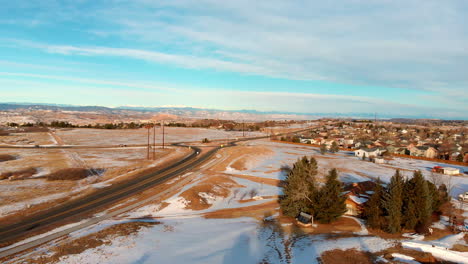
102, 198
82, 208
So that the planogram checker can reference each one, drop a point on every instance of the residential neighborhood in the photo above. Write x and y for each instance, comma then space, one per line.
375, 140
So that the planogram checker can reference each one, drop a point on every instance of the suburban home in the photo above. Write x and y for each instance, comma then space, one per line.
369, 152
357, 195
306, 140
423, 151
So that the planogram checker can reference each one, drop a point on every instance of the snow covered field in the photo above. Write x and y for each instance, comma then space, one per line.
139, 136
216, 217
350, 168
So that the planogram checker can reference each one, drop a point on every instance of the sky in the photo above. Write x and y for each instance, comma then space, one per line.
398, 58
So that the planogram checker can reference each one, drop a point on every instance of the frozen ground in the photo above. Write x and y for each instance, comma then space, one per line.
139, 136
239, 240
114, 164
351, 169
185, 236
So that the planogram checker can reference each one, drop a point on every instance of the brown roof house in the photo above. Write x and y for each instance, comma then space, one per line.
357, 195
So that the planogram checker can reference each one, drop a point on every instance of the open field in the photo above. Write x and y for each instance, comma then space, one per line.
231, 204
139, 136
36, 138
105, 166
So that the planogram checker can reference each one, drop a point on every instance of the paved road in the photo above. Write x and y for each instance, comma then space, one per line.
82, 208
104, 197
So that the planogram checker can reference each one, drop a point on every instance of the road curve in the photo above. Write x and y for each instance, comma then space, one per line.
104, 197
107, 196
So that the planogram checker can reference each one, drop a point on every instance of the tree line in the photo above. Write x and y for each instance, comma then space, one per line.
401, 204
301, 193
404, 204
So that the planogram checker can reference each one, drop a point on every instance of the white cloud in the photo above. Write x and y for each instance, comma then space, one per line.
416, 44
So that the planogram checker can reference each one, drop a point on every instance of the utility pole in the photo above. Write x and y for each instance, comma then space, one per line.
148, 126
154, 142
243, 128
162, 123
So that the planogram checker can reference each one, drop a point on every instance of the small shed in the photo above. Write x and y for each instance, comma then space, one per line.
379, 160
304, 219
451, 171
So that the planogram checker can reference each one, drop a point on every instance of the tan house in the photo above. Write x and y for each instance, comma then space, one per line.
423, 151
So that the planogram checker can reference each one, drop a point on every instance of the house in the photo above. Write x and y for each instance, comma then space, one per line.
306, 140
357, 195
369, 152
423, 151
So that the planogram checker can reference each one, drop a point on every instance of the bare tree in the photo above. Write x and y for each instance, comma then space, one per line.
435, 179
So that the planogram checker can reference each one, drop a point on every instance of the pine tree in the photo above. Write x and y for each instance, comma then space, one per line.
423, 201
323, 149
300, 188
331, 200
460, 157
393, 203
373, 209
334, 147
436, 200
409, 208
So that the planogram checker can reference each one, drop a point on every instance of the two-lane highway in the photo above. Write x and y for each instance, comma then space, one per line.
107, 196
83, 207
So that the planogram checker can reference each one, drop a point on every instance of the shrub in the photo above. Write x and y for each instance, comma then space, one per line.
70, 174
18, 175
6, 157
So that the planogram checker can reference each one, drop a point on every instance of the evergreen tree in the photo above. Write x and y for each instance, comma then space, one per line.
436, 200
460, 157
334, 147
423, 201
300, 187
409, 209
323, 148
373, 209
393, 203
331, 200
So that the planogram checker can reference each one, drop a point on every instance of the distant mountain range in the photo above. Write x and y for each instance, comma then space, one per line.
197, 113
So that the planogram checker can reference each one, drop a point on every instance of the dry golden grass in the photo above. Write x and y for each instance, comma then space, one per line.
460, 247
338, 256
27, 138
256, 211
19, 174
6, 157
437, 234
69, 174
48, 159
419, 256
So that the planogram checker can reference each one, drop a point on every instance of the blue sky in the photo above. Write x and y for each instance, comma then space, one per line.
402, 58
